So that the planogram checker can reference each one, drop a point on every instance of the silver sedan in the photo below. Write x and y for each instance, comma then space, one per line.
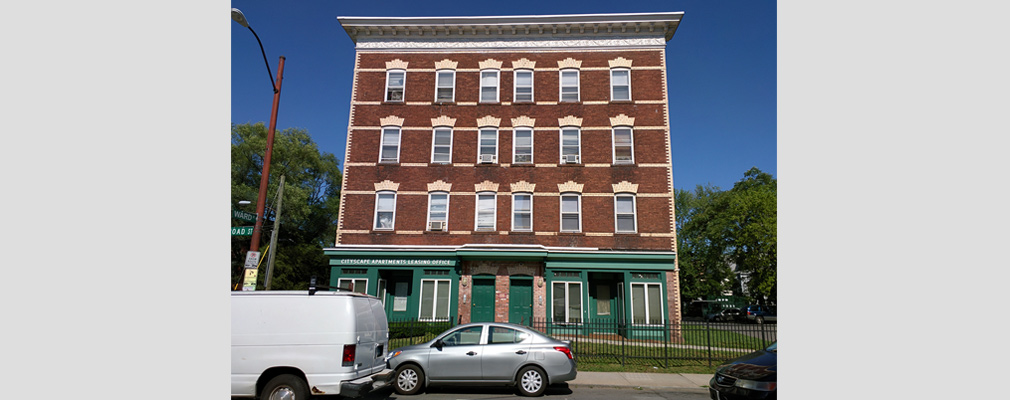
484, 353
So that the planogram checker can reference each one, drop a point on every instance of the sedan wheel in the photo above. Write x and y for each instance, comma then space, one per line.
532, 381
409, 379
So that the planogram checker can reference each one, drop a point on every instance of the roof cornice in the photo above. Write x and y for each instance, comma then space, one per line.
524, 26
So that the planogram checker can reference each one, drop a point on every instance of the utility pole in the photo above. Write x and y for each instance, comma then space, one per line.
273, 235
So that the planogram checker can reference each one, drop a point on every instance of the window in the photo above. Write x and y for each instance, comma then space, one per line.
486, 211
602, 300
570, 146
624, 213
646, 304
623, 144
394, 85
469, 336
438, 211
445, 82
620, 84
522, 145
489, 86
390, 151
569, 85
523, 85
434, 299
358, 285
522, 212
487, 152
571, 206
567, 302
441, 145
385, 210
503, 335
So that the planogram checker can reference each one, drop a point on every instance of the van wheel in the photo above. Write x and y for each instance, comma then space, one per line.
532, 381
285, 387
409, 379
760, 320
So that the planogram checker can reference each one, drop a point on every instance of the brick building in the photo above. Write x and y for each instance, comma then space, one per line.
509, 168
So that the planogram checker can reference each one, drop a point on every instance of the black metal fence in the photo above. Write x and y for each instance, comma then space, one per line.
616, 342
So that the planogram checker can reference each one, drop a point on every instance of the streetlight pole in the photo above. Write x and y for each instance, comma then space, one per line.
254, 246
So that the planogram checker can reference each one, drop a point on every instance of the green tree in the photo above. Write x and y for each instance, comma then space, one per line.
309, 209
716, 229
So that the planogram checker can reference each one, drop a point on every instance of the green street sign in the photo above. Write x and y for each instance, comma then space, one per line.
241, 231
242, 215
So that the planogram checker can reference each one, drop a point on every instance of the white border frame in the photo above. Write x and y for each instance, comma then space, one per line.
561, 211
612, 70
434, 300
403, 88
515, 86
582, 306
433, 130
613, 144
453, 87
512, 216
662, 306
399, 141
375, 215
578, 85
634, 211
352, 282
427, 224
497, 132
561, 143
476, 211
532, 138
497, 86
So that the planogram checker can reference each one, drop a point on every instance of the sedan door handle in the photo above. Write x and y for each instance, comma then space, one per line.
521, 352
472, 353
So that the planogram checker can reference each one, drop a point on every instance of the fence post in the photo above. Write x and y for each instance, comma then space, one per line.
666, 343
708, 341
629, 333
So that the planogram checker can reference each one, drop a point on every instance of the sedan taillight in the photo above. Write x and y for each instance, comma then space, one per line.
567, 351
349, 350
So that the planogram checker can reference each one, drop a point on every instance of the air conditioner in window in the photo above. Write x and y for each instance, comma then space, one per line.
571, 159
487, 158
436, 225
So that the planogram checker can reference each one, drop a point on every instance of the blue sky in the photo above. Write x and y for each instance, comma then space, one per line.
721, 72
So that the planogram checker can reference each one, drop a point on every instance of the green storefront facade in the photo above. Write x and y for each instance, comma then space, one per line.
574, 290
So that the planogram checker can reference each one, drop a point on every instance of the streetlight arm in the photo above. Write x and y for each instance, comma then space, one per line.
272, 84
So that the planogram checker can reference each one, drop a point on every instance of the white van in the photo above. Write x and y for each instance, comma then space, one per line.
290, 344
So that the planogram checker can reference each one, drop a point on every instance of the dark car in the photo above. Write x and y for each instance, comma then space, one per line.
726, 314
749, 377
484, 353
757, 314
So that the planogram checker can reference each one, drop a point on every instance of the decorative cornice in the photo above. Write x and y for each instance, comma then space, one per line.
486, 186
443, 121
620, 62
439, 186
570, 186
523, 120
396, 64
622, 120
523, 63
386, 185
625, 187
570, 121
569, 63
446, 64
488, 121
441, 43
474, 29
522, 186
490, 64
391, 120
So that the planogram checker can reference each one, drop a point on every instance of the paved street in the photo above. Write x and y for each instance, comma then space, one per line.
556, 392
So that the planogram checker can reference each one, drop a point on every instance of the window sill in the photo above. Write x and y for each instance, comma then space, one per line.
440, 163
393, 102
443, 103
522, 233
626, 233
389, 162
523, 165
561, 164
489, 103
571, 233
621, 102
380, 231
442, 232
625, 164
484, 232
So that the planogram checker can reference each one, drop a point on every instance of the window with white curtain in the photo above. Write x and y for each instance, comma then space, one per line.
623, 146
441, 145
624, 213
390, 147
571, 215
569, 85
445, 83
486, 211
523, 85
620, 84
385, 210
489, 86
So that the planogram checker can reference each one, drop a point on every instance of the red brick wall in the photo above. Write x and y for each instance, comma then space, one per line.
650, 148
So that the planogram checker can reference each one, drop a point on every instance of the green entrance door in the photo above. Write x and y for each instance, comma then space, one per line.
521, 301
482, 307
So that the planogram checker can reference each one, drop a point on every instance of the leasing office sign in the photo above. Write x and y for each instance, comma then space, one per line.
406, 262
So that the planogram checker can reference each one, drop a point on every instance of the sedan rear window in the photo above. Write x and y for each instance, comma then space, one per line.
499, 335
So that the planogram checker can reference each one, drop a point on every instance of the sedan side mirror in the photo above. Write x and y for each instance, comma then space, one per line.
438, 343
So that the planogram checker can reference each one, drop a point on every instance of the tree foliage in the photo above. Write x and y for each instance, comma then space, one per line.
719, 229
309, 209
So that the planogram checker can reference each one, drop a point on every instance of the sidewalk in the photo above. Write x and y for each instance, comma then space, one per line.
642, 380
